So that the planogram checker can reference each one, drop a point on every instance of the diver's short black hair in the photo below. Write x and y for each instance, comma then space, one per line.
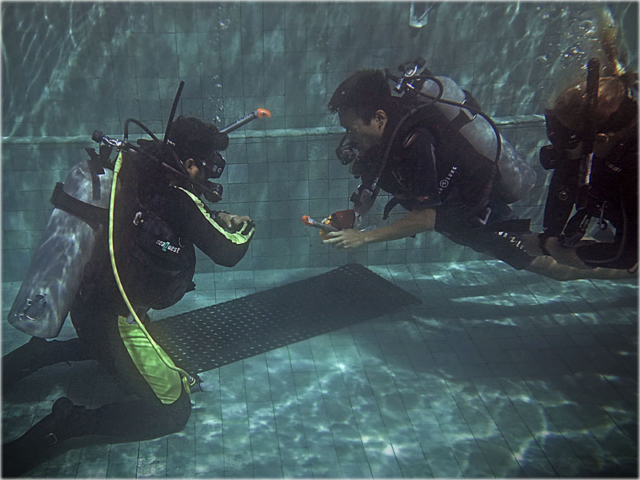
365, 92
192, 138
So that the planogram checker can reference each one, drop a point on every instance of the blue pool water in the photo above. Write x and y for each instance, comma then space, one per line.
498, 373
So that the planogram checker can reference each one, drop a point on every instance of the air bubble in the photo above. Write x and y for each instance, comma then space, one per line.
589, 27
542, 59
573, 51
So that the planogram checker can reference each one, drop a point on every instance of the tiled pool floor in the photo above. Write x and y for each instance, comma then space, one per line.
497, 373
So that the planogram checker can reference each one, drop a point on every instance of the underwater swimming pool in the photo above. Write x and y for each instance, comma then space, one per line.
70, 69
498, 373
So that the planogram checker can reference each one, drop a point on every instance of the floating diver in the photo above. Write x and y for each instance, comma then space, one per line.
442, 159
385, 134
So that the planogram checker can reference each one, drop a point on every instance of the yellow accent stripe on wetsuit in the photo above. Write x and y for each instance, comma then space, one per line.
163, 380
237, 238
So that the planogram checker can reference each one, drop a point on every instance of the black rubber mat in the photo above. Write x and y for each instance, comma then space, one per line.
214, 336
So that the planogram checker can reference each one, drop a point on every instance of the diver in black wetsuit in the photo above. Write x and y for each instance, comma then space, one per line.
431, 172
158, 220
443, 185
611, 196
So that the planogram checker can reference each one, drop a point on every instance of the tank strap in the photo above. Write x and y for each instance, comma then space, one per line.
464, 117
100, 160
92, 215
96, 165
94, 161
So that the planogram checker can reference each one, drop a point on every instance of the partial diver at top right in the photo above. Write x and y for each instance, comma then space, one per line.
593, 130
444, 161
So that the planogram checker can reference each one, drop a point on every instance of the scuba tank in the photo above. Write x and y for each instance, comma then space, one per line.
517, 178
56, 270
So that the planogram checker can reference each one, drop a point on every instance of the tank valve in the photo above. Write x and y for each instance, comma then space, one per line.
33, 309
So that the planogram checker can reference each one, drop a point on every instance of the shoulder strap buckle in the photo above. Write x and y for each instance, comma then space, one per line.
92, 215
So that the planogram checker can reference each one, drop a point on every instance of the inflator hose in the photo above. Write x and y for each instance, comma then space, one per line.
187, 379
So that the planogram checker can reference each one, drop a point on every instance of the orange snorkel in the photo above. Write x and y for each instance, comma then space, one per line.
258, 113
325, 227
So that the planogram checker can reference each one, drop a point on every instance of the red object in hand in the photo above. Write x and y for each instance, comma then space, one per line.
343, 219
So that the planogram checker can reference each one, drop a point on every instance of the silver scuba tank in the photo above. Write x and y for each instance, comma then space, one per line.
518, 178
57, 268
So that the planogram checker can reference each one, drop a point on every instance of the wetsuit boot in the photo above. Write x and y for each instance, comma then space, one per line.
38, 353
24, 453
131, 422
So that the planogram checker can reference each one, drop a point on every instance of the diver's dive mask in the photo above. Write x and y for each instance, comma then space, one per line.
347, 151
213, 168
563, 140
562, 137
192, 138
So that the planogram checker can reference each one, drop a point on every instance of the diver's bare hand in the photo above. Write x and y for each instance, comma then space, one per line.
232, 222
348, 238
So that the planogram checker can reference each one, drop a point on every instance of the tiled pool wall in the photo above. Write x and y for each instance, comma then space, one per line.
71, 68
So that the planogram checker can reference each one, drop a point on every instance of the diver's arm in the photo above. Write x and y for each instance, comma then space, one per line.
224, 246
414, 222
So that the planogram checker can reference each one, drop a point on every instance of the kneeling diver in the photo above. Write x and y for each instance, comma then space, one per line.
147, 260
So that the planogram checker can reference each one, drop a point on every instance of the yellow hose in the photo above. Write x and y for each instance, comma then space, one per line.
187, 379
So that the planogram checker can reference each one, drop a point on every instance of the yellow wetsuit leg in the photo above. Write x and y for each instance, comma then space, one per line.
165, 382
